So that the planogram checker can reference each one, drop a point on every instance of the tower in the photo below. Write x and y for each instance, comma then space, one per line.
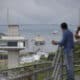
13, 43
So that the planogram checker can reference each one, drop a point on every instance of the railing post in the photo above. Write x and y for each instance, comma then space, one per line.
58, 65
62, 61
34, 76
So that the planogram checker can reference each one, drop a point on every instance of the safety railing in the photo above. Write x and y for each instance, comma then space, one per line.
43, 71
58, 65
31, 72
40, 71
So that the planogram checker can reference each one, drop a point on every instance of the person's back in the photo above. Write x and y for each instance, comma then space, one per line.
69, 42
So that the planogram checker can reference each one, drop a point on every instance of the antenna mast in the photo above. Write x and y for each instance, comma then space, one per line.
7, 16
79, 16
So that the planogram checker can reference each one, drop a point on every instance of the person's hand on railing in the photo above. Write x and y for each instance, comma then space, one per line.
54, 42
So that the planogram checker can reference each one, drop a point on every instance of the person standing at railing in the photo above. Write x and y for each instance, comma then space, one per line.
68, 44
77, 35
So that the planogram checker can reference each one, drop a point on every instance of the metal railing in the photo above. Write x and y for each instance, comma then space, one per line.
27, 72
58, 65
42, 71
39, 71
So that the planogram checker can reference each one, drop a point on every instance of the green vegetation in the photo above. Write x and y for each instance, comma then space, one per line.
51, 56
77, 70
26, 54
77, 54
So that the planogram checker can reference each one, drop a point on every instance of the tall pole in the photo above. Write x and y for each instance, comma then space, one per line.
7, 16
79, 16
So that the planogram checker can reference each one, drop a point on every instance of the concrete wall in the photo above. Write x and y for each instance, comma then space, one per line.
13, 59
13, 30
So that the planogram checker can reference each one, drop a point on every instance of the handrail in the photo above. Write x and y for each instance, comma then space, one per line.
26, 66
56, 68
57, 64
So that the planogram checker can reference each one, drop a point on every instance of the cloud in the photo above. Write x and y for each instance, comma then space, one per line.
39, 11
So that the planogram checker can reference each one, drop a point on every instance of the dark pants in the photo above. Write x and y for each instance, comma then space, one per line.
69, 65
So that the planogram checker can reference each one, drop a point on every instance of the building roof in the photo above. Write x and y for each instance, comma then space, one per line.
11, 48
10, 38
39, 38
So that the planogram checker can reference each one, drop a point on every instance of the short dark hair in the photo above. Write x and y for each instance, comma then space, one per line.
78, 29
64, 25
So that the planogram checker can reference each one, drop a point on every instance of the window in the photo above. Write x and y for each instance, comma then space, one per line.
12, 43
3, 43
21, 44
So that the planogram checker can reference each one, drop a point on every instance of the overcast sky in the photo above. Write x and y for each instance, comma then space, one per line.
39, 11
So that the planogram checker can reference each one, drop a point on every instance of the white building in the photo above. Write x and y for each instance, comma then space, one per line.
12, 43
39, 43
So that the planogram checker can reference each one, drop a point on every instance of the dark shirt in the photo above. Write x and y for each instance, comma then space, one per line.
67, 41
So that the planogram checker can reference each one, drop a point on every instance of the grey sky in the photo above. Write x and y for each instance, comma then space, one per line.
39, 11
